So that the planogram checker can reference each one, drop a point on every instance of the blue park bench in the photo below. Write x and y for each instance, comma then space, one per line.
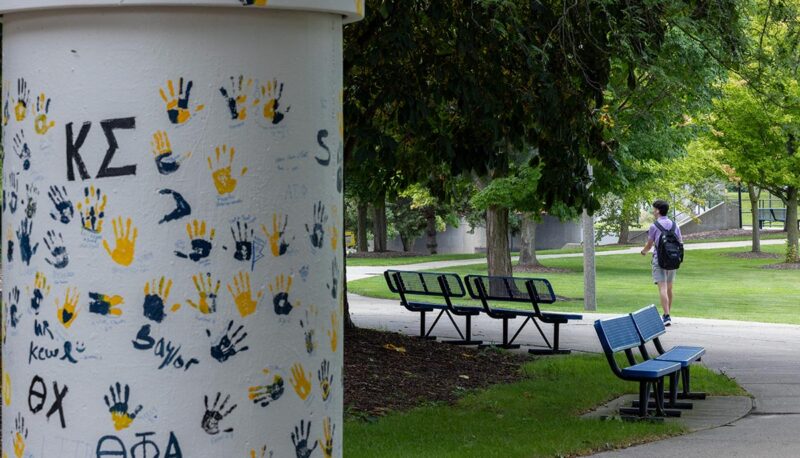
777, 215
533, 291
448, 286
650, 327
621, 335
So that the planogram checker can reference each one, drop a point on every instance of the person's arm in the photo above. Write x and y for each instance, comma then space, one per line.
647, 247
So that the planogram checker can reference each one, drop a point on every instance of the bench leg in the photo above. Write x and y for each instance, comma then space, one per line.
507, 344
687, 388
672, 403
465, 340
554, 349
422, 328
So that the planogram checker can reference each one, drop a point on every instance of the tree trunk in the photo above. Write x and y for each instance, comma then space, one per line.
379, 226
791, 221
498, 254
527, 254
404, 241
430, 231
624, 232
363, 244
754, 194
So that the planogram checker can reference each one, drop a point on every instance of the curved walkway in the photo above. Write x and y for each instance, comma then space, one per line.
763, 358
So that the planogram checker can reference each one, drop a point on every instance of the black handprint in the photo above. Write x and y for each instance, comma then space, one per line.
214, 415
226, 347
22, 150
24, 236
300, 440
58, 252
118, 407
321, 136
244, 242
182, 207
333, 286
13, 183
13, 309
236, 97
340, 169
309, 334
325, 379
264, 395
32, 195
201, 248
317, 232
64, 211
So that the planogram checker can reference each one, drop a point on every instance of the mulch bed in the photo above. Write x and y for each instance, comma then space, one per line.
726, 233
387, 372
782, 266
385, 254
751, 255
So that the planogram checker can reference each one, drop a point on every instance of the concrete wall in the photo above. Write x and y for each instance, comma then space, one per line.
721, 217
551, 233
164, 296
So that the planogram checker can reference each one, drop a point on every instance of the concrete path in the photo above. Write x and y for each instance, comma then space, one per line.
763, 358
359, 272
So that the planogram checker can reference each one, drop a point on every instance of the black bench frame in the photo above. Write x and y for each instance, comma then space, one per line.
532, 297
685, 375
443, 289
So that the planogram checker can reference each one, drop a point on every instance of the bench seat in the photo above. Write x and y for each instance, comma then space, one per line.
651, 369
424, 306
683, 355
545, 316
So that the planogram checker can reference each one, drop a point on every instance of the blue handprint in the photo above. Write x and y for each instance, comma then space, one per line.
21, 149
13, 309
24, 237
64, 211
58, 252
226, 347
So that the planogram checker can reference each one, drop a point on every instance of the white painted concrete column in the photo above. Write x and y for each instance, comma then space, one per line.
171, 228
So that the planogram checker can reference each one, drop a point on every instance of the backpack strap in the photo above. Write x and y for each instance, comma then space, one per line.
661, 228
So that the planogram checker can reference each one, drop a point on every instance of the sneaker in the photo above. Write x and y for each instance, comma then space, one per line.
667, 320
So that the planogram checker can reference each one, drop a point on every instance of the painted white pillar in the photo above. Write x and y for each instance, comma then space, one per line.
171, 228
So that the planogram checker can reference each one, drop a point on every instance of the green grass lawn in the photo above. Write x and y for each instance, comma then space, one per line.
412, 259
709, 285
538, 416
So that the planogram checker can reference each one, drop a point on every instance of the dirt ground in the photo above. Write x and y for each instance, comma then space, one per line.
387, 372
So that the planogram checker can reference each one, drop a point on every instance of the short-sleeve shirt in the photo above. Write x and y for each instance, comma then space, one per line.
654, 233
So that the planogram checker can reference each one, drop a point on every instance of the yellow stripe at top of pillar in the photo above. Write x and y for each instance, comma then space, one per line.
351, 10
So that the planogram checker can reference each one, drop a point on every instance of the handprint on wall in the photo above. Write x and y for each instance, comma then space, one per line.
13, 307
326, 443
243, 236
20, 435
333, 286
242, 294
41, 289
229, 344
67, 313
325, 379
42, 124
301, 381
280, 294
215, 413
333, 332
278, 243
64, 211
221, 170
20, 146
264, 395
270, 95
316, 232
26, 250
308, 331
177, 105
236, 96
13, 192
253, 453
300, 440
58, 251
201, 246
124, 241
23, 100
167, 161
207, 292
121, 414
32, 196
103, 304
9, 244
156, 295
182, 207
6, 105
92, 209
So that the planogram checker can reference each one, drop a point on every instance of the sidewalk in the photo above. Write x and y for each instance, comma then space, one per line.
763, 358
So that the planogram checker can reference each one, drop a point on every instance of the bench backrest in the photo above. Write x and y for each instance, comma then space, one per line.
424, 283
510, 289
617, 334
649, 323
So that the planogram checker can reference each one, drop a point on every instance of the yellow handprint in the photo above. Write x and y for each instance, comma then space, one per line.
41, 124
166, 161
92, 209
103, 304
155, 299
243, 294
125, 242
326, 444
264, 395
23, 98
68, 313
40, 291
333, 333
20, 434
253, 453
207, 292
178, 105
300, 381
236, 97
271, 94
280, 295
6, 388
221, 173
277, 240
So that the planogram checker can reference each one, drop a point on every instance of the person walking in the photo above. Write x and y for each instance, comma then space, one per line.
664, 231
